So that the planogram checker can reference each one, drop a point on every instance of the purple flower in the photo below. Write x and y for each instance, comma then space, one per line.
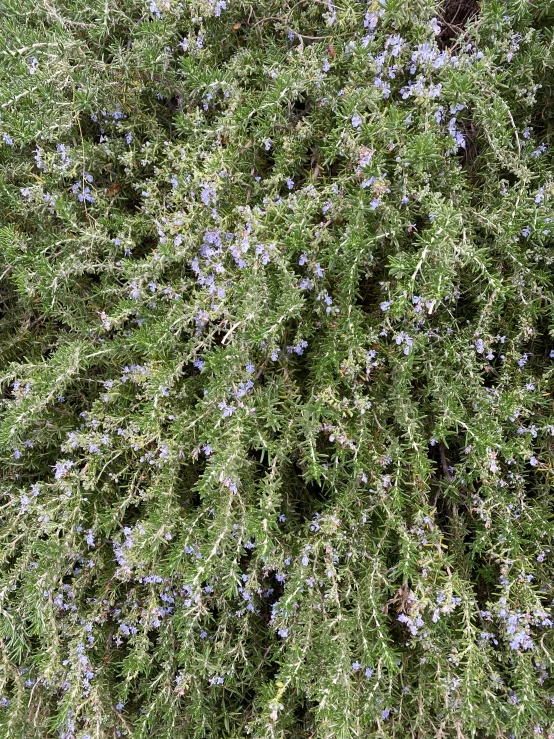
228, 410
383, 86
299, 348
61, 468
219, 5
521, 640
434, 25
154, 9
523, 360
356, 121
208, 194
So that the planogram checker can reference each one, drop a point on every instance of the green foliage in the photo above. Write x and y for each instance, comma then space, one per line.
277, 350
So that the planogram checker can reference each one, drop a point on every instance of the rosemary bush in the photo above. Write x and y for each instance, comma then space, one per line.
276, 363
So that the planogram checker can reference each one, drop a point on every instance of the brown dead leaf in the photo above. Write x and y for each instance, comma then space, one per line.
113, 189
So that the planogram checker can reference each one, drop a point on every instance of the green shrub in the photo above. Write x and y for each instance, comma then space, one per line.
276, 347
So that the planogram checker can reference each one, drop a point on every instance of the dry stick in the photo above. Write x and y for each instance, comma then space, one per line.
83, 149
444, 462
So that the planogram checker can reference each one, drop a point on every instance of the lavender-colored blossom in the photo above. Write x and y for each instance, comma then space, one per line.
62, 468
208, 194
521, 640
